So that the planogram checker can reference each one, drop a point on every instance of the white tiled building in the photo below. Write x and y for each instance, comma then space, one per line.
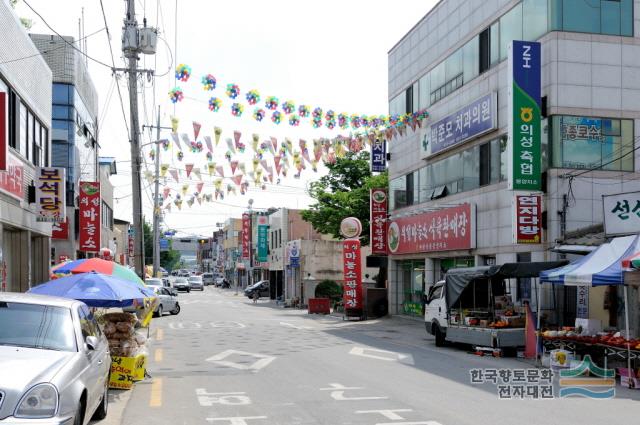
455, 55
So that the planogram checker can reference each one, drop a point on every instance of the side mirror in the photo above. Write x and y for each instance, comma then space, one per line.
92, 343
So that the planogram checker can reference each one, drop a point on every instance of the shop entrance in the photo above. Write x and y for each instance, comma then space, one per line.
411, 279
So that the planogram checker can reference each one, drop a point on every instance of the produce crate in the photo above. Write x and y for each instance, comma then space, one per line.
127, 370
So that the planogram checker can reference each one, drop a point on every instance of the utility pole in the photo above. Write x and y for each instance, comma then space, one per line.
135, 41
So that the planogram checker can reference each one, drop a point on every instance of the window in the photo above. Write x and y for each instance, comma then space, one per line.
485, 164
494, 39
398, 192
398, 105
510, 29
588, 142
14, 113
471, 59
424, 98
60, 94
408, 100
410, 188
88, 324
23, 132
534, 22
614, 17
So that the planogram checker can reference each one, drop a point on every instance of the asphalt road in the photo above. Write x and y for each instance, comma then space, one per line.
224, 360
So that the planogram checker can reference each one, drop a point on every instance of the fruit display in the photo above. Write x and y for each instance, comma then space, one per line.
498, 324
609, 339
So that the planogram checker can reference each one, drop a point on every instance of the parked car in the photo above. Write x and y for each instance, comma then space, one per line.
196, 282
54, 361
153, 281
208, 279
168, 301
219, 281
182, 284
262, 287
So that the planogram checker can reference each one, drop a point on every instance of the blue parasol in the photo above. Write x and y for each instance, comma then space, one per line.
96, 290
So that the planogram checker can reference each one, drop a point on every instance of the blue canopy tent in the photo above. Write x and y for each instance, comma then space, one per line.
601, 267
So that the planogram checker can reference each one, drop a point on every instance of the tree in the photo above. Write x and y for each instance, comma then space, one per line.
27, 23
168, 259
344, 192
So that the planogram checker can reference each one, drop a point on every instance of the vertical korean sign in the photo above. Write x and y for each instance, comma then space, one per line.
263, 233
246, 235
528, 216
378, 156
50, 194
378, 221
524, 116
4, 145
89, 216
352, 295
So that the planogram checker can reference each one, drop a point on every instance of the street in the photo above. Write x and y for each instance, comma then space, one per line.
224, 360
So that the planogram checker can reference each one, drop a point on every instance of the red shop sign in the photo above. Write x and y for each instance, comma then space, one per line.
90, 216
444, 230
352, 294
378, 221
130, 246
4, 146
11, 181
528, 219
60, 230
246, 235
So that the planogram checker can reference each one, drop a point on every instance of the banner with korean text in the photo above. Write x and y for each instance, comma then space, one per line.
443, 230
60, 230
263, 238
378, 155
352, 294
378, 221
50, 194
246, 235
621, 212
528, 219
90, 223
524, 146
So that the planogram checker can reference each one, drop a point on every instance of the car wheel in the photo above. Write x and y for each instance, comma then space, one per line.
160, 310
439, 336
188, 290
77, 418
175, 310
101, 411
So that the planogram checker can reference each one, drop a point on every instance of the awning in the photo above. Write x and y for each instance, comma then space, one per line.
602, 267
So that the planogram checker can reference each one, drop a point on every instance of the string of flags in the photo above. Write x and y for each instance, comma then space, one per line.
287, 111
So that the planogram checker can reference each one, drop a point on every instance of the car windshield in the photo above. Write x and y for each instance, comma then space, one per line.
181, 280
195, 279
153, 282
37, 326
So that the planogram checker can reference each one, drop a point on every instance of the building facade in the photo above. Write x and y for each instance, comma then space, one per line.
74, 117
25, 81
234, 268
453, 62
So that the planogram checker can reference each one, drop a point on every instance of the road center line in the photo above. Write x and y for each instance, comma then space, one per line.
156, 393
160, 334
158, 355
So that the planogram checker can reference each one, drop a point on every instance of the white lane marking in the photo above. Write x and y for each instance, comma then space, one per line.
263, 360
411, 423
236, 420
229, 399
185, 325
230, 324
389, 356
337, 393
387, 413
291, 325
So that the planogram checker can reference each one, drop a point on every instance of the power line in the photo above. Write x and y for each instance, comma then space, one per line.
63, 39
48, 51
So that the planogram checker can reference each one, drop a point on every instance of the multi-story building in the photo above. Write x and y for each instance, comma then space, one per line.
187, 246
74, 117
453, 62
25, 84
234, 268
107, 168
121, 235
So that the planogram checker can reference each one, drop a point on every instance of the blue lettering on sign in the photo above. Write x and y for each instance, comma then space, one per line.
471, 121
378, 156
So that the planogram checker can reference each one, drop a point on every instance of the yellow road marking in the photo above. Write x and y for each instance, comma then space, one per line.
158, 355
160, 334
156, 393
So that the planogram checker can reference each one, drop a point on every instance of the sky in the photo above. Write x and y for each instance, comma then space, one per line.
330, 54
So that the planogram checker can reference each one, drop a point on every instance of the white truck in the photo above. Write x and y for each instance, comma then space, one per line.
473, 291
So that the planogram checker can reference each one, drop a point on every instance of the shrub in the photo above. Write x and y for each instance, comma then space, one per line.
329, 289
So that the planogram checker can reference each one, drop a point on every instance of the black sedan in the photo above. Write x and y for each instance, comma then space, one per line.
261, 287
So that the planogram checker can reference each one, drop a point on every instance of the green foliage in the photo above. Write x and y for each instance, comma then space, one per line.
329, 289
344, 192
168, 259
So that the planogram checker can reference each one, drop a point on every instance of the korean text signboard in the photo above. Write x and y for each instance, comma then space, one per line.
89, 217
263, 237
378, 221
293, 253
473, 120
60, 230
444, 230
378, 156
50, 194
4, 146
246, 235
352, 294
524, 116
582, 302
12, 180
528, 219
621, 214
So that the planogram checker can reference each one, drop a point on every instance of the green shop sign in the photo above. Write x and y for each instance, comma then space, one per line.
263, 237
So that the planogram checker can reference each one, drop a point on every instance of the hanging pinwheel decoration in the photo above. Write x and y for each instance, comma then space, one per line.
258, 114
233, 91
183, 72
176, 95
253, 97
214, 104
208, 82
